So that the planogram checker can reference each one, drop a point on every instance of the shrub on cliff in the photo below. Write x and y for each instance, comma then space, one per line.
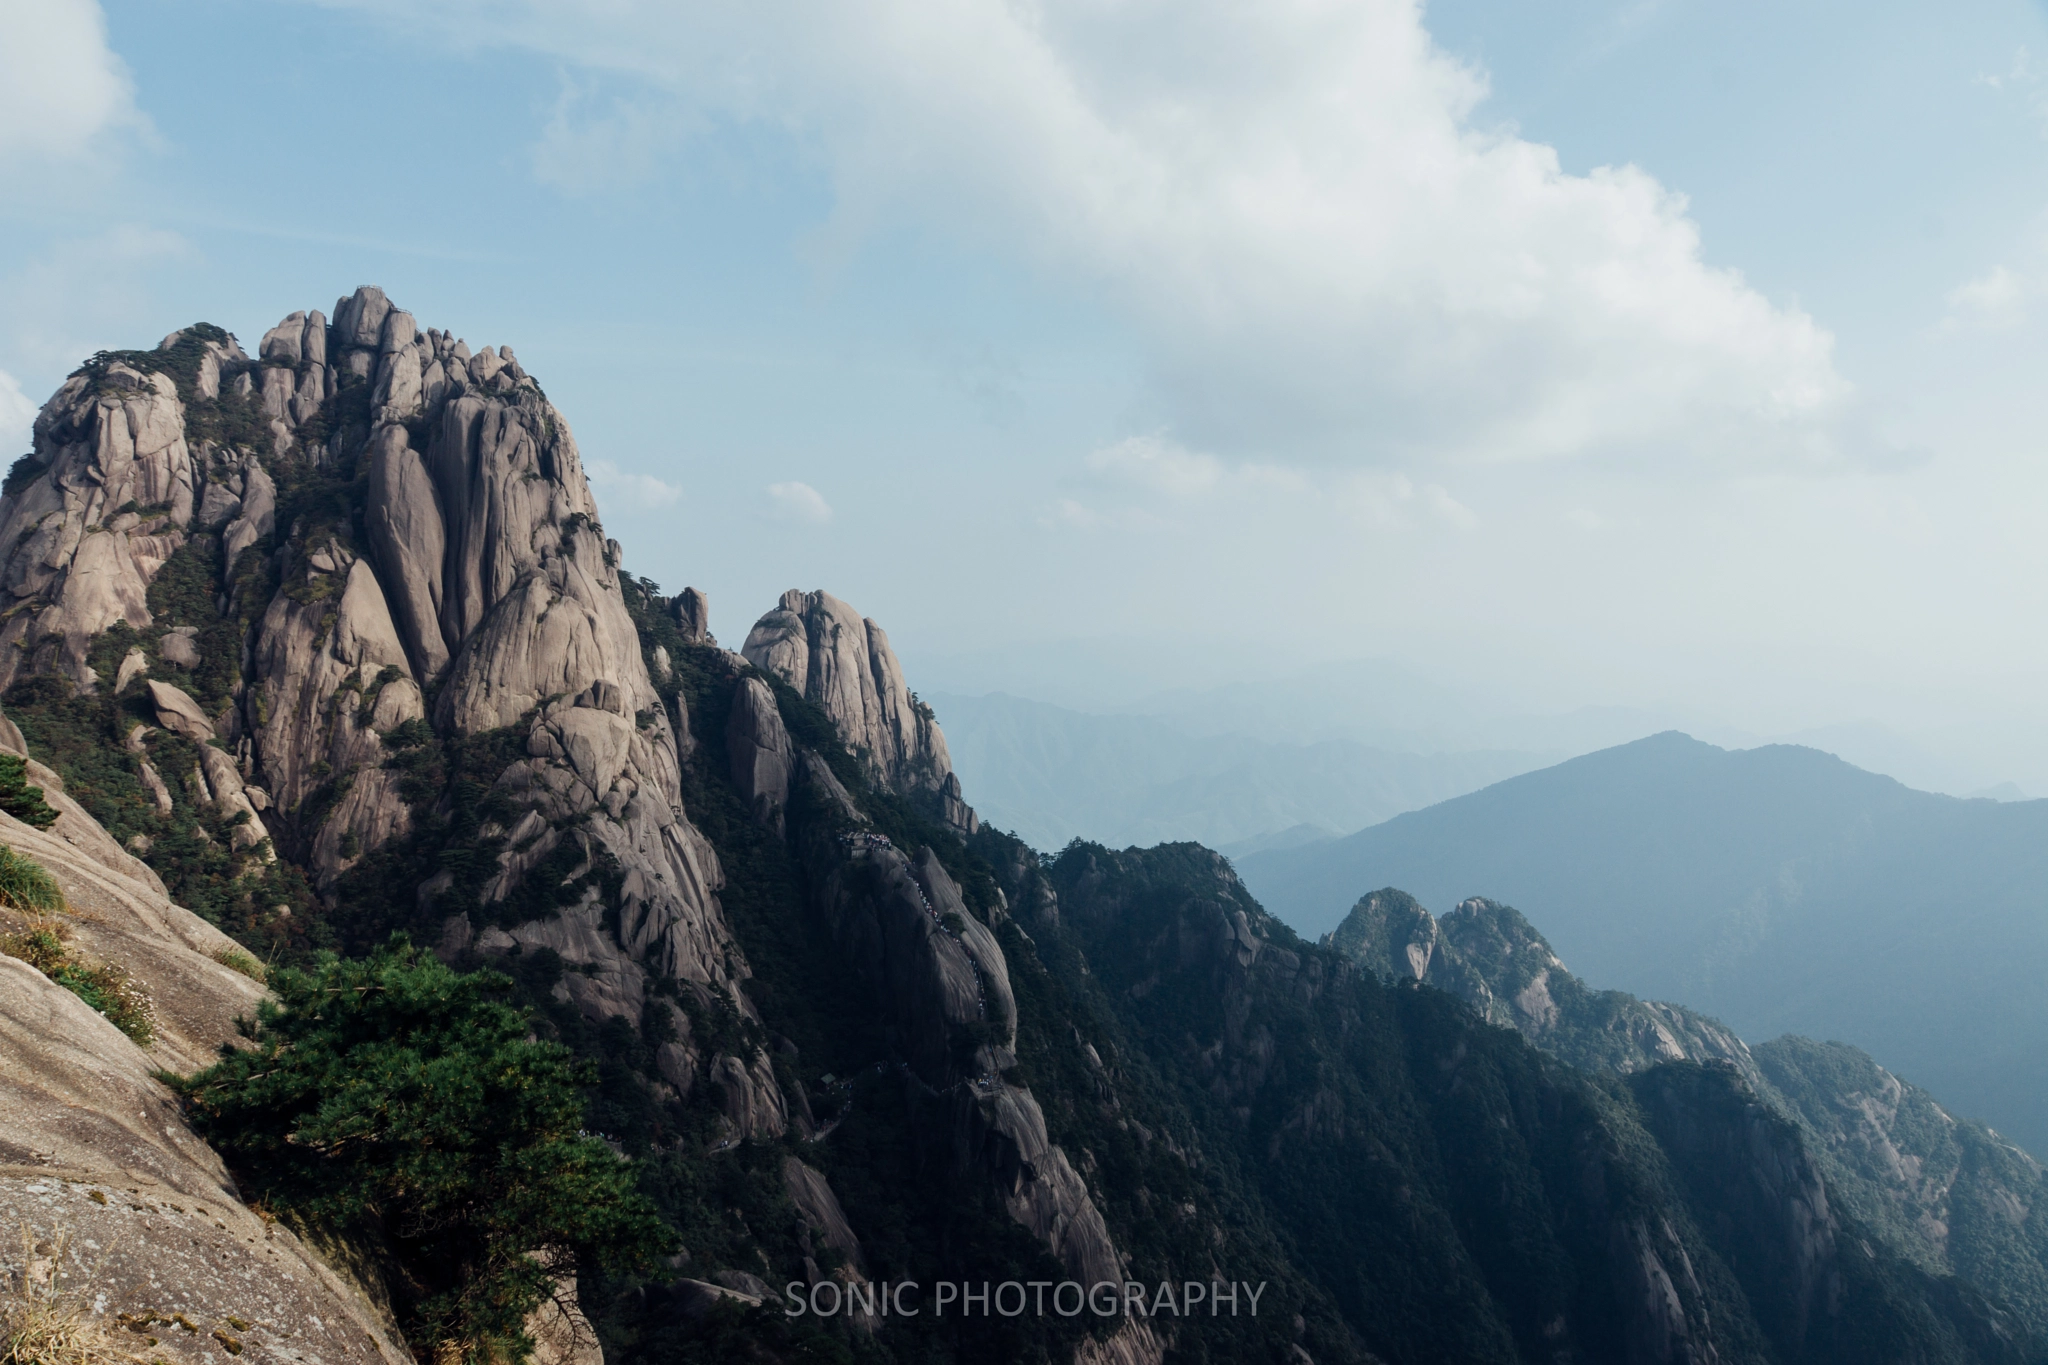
395, 1100
21, 798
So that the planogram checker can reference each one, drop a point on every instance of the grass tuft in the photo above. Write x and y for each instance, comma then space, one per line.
106, 986
25, 885
234, 959
43, 1324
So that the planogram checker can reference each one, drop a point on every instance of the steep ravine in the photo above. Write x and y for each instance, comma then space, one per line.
332, 638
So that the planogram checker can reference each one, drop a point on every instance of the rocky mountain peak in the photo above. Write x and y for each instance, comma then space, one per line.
1492, 957
385, 531
840, 660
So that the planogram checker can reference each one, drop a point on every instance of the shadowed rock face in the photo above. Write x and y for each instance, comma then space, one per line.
906, 932
840, 660
1488, 955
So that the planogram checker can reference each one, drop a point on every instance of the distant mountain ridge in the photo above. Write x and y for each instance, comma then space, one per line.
1945, 1193
1051, 775
1779, 889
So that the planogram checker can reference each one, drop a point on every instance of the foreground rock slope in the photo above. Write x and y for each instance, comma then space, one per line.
106, 1194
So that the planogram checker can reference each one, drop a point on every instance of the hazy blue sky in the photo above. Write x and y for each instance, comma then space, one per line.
1674, 355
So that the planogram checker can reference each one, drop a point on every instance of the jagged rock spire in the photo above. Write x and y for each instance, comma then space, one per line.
842, 661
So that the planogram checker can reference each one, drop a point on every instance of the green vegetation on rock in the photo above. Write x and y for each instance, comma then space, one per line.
26, 885
21, 798
404, 1104
106, 986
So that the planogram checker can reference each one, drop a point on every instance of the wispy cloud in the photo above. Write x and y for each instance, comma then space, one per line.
794, 501
64, 96
1292, 204
1153, 481
2005, 295
82, 294
17, 416
2022, 85
625, 493
1384, 500
598, 139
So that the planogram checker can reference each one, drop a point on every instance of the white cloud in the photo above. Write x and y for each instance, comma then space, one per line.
2005, 295
1070, 514
799, 502
1388, 500
1157, 464
1998, 295
625, 493
62, 89
17, 417
1292, 203
1153, 482
595, 142
2021, 86
1447, 508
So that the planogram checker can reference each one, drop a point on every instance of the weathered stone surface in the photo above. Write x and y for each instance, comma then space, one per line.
677, 1059
285, 342
1135, 1343
359, 318
758, 747
159, 794
753, 1102
219, 505
334, 640
604, 981
225, 782
74, 563
175, 710
560, 1333
409, 544
176, 647
905, 930
825, 650
688, 1298
257, 518
1491, 957
893, 938
1000, 1129
586, 760
811, 1192
477, 570
85, 1116
692, 610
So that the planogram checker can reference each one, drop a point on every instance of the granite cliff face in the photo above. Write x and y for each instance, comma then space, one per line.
1492, 958
841, 661
443, 564
401, 579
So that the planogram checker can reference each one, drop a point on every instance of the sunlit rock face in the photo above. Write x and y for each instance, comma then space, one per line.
459, 578
840, 660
